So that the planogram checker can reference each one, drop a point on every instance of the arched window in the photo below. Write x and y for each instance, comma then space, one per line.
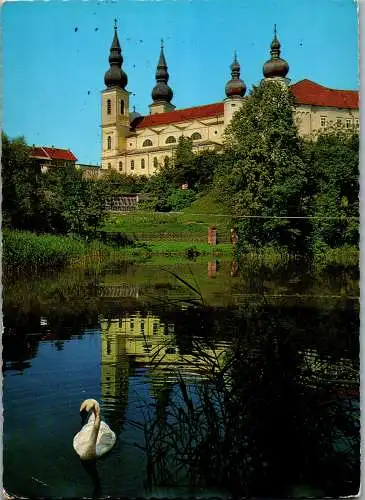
146, 143
155, 162
122, 107
109, 166
120, 166
109, 106
109, 142
196, 136
142, 163
132, 164
170, 140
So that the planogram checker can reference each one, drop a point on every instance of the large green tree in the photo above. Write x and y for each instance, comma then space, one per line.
74, 204
263, 174
333, 157
22, 195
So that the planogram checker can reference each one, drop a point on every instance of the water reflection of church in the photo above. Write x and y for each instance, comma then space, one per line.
140, 341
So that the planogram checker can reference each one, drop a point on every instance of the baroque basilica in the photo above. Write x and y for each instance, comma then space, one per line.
136, 144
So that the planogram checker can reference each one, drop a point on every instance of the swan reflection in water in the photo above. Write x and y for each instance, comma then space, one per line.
93, 441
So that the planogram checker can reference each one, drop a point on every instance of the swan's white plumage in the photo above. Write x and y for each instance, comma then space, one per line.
95, 438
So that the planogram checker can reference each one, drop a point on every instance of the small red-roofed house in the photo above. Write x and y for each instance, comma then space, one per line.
48, 157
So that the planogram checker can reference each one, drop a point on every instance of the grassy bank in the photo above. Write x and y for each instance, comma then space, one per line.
183, 226
184, 248
23, 250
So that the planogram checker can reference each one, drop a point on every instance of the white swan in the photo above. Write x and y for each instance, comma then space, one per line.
95, 438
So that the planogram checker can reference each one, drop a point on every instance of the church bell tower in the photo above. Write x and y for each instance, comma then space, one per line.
115, 122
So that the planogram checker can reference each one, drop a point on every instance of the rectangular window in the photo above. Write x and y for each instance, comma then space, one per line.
142, 163
357, 123
323, 121
132, 164
109, 106
348, 122
339, 121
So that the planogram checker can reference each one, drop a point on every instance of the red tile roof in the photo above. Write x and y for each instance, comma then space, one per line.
308, 92
182, 115
52, 154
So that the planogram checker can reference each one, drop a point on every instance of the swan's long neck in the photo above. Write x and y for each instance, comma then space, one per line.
96, 426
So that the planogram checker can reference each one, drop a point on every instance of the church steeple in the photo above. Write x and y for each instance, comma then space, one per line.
115, 120
161, 93
276, 67
235, 86
115, 76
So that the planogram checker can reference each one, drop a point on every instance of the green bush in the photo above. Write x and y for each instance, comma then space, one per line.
181, 198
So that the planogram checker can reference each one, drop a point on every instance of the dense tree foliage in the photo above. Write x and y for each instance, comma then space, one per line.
22, 198
185, 167
116, 184
59, 201
74, 204
264, 174
333, 157
286, 191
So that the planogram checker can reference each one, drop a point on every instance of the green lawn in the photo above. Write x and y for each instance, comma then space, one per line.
191, 225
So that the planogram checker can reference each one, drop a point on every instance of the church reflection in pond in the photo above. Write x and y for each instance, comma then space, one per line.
141, 340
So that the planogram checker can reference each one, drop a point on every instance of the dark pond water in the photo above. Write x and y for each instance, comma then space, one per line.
257, 374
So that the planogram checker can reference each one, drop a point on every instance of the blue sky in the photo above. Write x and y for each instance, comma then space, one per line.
53, 73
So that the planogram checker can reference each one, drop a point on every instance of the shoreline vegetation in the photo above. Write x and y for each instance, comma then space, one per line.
25, 251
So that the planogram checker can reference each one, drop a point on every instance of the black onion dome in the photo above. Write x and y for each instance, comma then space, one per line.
161, 91
276, 66
235, 86
115, 76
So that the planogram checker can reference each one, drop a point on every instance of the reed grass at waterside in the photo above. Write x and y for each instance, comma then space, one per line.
26, 251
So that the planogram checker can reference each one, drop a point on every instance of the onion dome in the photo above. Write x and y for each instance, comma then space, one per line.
235, 86
161, 91
275, 67
115, 76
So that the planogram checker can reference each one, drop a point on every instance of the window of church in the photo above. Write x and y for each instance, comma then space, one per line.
109, 106
142, 163
339, 121
146, 143
132, 164
109, 142
348, 122
323, 121
155, 162
170, 140
196, 136
120, 166
357, 123
122, 107
215, 131
109, 166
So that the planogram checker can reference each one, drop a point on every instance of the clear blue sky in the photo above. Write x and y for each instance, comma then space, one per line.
53, 74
